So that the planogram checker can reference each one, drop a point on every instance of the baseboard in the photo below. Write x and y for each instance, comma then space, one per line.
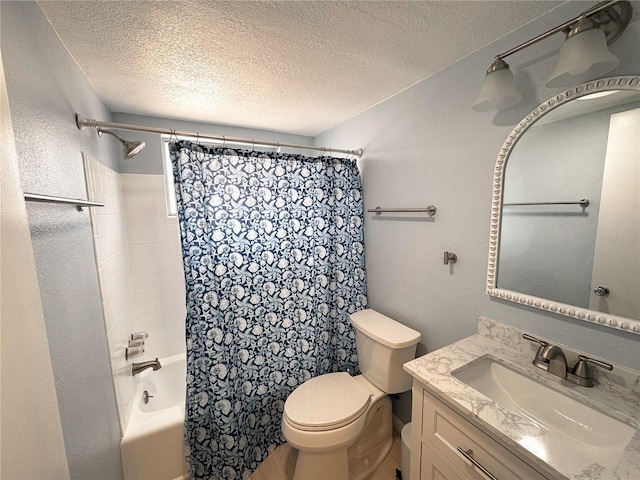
397, 424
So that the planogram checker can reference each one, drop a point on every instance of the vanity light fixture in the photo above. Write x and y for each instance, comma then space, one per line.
583, 56
498, 89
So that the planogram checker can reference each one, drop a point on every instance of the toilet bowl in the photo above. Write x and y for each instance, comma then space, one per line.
342, 425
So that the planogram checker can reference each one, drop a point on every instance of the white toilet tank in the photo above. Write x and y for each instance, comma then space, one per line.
384, 345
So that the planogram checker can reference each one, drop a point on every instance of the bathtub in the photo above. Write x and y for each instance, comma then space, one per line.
153, 445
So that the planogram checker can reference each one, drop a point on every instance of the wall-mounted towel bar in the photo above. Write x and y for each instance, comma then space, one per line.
583, 203
79, 203
431, 210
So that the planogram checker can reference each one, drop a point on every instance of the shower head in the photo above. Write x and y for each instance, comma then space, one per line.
131, 149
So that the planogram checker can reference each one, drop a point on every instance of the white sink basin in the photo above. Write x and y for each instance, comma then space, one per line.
567, 426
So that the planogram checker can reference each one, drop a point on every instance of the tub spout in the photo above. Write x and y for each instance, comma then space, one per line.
136, 368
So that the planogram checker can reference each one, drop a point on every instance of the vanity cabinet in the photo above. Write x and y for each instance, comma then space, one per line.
444, 438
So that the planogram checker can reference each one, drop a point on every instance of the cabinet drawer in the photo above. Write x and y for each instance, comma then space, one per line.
445, 430
433, 467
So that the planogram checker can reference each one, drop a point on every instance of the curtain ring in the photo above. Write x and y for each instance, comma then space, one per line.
198, 147
173, 134
253, 144
224, 142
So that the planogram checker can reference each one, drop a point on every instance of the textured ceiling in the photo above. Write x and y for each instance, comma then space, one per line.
291, 66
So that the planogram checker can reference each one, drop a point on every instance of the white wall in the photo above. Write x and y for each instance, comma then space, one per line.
617, 254
426, 146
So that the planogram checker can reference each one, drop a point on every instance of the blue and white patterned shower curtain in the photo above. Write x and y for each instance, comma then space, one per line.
274, 264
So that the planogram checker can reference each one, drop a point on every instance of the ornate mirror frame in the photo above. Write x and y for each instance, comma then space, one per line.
620, 323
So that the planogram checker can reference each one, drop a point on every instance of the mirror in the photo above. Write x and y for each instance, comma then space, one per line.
565, 225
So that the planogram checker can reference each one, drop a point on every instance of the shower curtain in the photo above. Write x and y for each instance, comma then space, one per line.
274, 264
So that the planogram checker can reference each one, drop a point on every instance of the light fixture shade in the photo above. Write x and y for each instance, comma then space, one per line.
583, 57
498, 91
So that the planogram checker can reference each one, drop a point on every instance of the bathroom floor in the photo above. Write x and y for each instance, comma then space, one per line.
281, 463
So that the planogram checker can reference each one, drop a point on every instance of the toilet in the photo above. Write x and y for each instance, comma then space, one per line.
342, 425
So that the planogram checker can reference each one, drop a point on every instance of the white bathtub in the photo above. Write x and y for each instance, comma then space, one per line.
153, 444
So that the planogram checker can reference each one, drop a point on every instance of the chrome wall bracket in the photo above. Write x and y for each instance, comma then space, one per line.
450, 257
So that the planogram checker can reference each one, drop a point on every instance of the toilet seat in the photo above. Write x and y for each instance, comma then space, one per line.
326, 402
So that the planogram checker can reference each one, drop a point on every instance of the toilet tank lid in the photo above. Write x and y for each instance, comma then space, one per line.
384, 329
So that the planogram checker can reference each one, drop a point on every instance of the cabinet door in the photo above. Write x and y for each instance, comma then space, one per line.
436, 468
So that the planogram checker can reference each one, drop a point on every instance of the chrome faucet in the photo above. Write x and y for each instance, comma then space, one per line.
556, 360
136, 368
552, 359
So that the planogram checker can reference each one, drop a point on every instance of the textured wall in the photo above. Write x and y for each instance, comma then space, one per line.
45, 89
30, 417
426, 146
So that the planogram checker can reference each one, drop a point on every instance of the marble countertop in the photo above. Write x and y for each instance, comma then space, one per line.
616, 393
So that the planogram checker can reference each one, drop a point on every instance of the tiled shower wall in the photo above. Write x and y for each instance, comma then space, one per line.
112, 260
139, 263
155, 258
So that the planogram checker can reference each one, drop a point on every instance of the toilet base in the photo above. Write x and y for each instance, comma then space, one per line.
357, 461
374, 443
323, 465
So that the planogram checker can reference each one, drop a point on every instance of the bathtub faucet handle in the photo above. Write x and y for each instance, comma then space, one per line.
133, 351
139, 336
138, 342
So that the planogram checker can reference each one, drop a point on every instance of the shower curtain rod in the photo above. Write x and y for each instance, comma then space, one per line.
83, 122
